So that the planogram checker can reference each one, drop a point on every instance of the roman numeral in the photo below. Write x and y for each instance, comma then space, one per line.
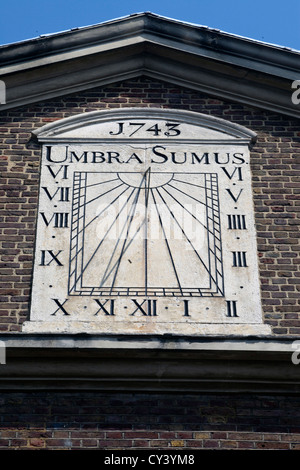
230, 176
60, 307
105, 310
60, 219
62, 168
235, 198
45, 261
149, 311
231, 308
186, 308
63, 192
236, 222
239, 259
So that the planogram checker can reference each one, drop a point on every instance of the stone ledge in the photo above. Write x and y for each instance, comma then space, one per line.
149, 363
276, 344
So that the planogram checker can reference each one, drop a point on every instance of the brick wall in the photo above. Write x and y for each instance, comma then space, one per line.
51, 421
142, 421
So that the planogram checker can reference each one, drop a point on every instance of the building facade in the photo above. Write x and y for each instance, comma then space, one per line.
137, 342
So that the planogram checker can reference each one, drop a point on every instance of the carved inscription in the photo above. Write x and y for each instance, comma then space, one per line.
145, 225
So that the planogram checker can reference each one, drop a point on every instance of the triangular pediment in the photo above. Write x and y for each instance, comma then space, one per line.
196, 57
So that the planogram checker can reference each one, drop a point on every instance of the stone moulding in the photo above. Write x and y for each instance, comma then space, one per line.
55, 131
113, 363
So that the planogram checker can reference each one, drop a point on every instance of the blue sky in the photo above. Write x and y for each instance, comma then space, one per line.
271, 21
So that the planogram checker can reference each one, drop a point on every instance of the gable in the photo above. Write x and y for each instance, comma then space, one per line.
202, 59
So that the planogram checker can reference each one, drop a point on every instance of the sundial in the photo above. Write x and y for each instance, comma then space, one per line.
144, 220
145, 226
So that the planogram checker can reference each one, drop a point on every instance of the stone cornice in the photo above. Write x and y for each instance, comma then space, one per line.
149, 363
197, 57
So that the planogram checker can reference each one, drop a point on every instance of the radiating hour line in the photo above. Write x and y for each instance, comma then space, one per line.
101, 195
108, 230
102, 182
192, 215
147, 191
124, 251
119, 246
190, 184
120, 258
106, 207
129, 218
200, 202
187, 238
105, 277
166, 240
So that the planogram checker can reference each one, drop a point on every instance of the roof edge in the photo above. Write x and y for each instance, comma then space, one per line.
54, 43
147, 44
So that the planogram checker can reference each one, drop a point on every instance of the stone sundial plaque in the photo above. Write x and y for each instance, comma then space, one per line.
145, 226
